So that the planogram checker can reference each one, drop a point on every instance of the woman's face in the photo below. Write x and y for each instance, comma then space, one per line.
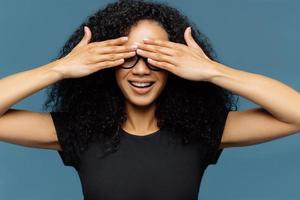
141, 72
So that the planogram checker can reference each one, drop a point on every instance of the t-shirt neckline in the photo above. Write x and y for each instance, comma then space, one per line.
149, 135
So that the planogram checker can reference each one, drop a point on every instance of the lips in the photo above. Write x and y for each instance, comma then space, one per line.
141, 90
141, 84
142, 81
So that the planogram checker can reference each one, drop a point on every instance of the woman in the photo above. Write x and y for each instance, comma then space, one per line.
143, 128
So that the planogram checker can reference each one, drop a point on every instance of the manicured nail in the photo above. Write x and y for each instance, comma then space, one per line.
134, 46
136, 43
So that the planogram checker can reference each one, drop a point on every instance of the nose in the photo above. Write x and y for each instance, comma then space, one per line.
141, 67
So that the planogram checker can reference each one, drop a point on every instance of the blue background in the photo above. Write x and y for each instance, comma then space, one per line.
259, 36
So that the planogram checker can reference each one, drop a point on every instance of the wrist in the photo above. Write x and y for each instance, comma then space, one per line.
52, 69
55, 67
217, 70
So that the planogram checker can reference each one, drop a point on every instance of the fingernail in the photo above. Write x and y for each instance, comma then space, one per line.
125, 38
134, 46
146, 39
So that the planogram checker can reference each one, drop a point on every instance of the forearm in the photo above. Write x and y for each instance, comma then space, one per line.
18, 86
282, 101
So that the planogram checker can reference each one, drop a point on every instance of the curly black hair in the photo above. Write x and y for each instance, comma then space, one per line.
192, 110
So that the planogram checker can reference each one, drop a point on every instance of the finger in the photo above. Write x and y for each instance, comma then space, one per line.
86, 37
164, 65
108, 64
155, 48
112, 57
163, 43
189, 38
112, 42
155, 56
191, 42
115, 49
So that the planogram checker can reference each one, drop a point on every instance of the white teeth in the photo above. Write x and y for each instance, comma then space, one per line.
141, 84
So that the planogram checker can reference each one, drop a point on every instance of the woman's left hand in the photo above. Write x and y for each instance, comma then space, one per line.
187, 61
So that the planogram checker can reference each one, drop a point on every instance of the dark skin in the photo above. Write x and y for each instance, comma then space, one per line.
187, 61
274, 119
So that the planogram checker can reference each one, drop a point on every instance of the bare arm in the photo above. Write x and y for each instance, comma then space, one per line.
34, 129
279, 99
18, 86
254, 126
27, 128
278, 116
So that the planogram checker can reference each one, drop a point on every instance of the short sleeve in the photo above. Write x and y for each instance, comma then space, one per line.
214, 152
65, 136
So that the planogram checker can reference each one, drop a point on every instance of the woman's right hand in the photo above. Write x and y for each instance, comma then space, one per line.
87, 58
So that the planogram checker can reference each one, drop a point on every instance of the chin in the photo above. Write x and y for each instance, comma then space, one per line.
140, 102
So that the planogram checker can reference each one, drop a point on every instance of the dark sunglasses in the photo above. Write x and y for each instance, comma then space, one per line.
132, 61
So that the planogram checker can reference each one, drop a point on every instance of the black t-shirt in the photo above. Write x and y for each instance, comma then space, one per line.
144, 167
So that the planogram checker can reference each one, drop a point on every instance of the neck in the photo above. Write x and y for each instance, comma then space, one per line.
140, 120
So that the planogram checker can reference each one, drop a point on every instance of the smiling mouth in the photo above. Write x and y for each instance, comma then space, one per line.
141, 85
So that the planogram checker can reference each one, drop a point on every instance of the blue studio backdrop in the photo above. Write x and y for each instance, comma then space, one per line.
259, 36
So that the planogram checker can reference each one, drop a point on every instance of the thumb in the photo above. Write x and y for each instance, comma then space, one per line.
191, 42
86, 37
189, 38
